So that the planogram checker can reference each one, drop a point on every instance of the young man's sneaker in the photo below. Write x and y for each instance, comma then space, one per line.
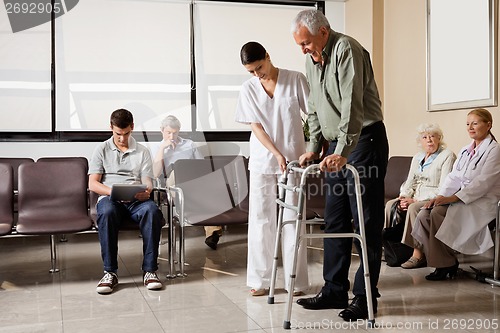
151, 281
107, 283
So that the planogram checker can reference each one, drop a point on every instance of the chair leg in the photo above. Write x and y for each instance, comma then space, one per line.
171, 246
496, 264
53, 255
182, 252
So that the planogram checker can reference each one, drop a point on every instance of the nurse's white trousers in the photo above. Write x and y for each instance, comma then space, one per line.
262, 225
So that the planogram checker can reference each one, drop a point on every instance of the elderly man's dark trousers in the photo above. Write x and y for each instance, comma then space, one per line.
370, 159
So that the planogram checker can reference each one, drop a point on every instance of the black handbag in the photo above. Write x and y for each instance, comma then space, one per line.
395, 252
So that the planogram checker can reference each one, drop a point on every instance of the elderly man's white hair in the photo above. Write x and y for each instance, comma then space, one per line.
170, 121
312, 19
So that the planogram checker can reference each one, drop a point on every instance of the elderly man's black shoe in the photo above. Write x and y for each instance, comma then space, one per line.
320, 301
358, 309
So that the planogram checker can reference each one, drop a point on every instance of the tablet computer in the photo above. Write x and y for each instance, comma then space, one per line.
126, 192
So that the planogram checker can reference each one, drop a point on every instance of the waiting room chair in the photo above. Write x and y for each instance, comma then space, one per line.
52, 200
6, 199
496, 264
15, 162
206, 197
82, 160
397, 172
236, 175
492, 279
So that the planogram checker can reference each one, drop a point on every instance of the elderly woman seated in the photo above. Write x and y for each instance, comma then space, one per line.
457, 219
428, 169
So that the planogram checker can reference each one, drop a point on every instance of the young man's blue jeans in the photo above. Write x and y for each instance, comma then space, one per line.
111, 215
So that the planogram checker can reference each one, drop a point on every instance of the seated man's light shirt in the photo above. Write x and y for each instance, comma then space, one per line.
184, 149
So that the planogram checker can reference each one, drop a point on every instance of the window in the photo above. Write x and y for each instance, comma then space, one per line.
221, 29
25, 89
461, 58
64, 77
125, 54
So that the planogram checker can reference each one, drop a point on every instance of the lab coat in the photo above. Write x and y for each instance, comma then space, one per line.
476, 182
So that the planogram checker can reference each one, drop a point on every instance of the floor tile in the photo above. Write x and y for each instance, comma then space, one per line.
213, 297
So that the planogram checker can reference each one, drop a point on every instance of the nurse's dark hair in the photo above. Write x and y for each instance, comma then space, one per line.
252, 52
121, 118
485, 116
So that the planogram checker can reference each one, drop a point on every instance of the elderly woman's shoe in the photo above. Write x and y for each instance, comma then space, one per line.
414, 262
443, 273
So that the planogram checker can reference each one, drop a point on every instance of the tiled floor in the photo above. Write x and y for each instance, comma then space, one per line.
213, 298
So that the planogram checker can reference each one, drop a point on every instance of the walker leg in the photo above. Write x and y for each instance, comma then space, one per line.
369, 296
293, 274
279, 227
362, 240
270, 297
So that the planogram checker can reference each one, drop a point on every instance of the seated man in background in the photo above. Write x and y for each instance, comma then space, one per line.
171, 149
120, 159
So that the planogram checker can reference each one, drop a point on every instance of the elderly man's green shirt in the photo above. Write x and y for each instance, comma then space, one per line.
344, 97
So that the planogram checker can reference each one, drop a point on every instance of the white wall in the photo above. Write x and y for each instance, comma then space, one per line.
335, 13
404, 75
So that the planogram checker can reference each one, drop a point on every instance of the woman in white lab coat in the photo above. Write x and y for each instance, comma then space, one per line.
457, 219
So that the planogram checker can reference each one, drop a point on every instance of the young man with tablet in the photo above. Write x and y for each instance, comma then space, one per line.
118, 160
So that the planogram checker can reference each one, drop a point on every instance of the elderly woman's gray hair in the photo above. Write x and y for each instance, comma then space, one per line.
432, 129
312, 19
170, 121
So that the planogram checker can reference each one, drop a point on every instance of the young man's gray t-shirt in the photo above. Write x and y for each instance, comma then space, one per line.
116, 166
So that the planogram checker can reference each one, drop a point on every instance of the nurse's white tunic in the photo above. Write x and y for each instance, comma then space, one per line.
281, 119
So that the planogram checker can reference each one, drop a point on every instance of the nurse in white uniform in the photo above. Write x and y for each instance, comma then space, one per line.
271, 102
457, 219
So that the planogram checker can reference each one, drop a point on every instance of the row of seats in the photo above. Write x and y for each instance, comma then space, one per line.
52, 199
42, 194
50, 196
47, 197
